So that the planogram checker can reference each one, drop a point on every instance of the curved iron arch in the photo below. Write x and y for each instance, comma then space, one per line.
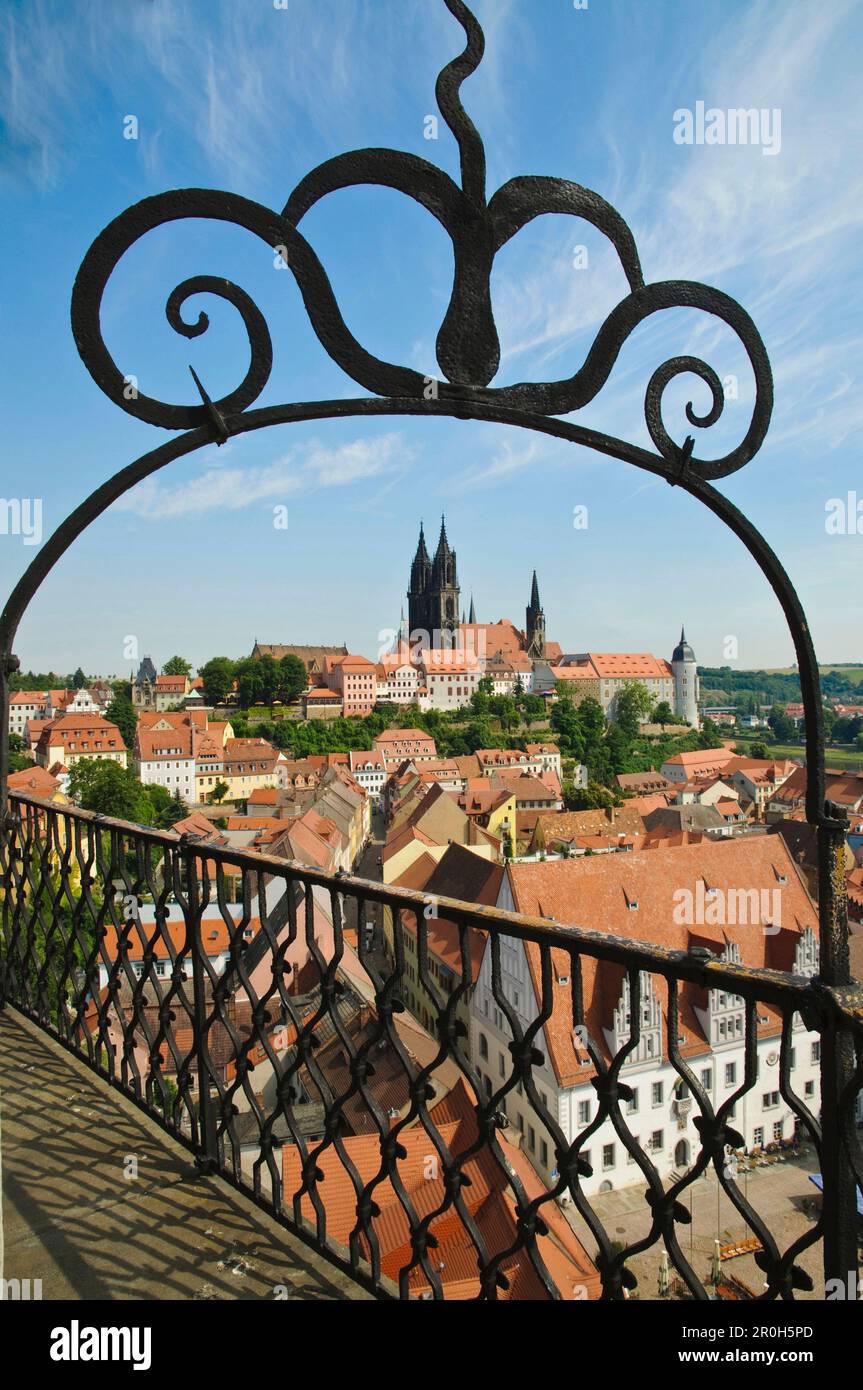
469, 355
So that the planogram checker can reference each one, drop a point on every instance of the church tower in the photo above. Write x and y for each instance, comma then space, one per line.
433, 596
535, 624
444, 593
418, 591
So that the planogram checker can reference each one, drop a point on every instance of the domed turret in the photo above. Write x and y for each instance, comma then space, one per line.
686, 691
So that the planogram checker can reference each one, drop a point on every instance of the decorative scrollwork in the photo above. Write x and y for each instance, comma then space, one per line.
468, 348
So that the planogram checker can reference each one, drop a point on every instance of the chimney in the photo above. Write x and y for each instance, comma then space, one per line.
609, 811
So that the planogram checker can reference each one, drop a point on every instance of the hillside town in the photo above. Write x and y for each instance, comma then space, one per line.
702, 846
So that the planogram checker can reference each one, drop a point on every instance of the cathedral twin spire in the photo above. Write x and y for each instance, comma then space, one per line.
433, 599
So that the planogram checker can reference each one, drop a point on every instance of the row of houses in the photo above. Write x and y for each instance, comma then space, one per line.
446, 677
743, 901
34, 707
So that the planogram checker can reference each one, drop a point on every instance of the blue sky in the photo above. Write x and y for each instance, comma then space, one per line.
247, 97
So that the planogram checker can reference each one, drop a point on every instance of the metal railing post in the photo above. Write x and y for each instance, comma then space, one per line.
207, 1157
837, 1059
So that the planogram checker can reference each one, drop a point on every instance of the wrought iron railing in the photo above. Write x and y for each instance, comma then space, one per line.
215, 1015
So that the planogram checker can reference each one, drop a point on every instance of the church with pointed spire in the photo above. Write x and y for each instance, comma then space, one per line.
434, 608
433, 596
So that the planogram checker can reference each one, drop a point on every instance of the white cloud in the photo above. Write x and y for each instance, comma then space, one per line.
304, 469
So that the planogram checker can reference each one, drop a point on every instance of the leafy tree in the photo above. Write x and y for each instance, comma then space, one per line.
566, 723
79, 680
218, 677
663, 714
220, 791
784, 729
175, 810
758, 750
110, 790
593, 797
121, 712
293, 678
532, 707
633, 706
250, 681
710, 737
16, 743
177, 666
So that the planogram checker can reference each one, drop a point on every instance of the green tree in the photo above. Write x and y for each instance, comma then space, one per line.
566, 723
121, 712
632, 708
218, 677
758, 750
175, 810
220, 791
79, 680
110, 790
593, 797
250, 681
293, 678
177, 666
784, 729
663, 714
710, 737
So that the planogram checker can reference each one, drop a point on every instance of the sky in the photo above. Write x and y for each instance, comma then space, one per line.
305, 532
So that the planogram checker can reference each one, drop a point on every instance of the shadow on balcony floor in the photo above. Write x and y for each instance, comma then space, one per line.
71, 1219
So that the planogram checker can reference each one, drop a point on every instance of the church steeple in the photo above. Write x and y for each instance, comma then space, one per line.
472, 617
535, 623
434, 592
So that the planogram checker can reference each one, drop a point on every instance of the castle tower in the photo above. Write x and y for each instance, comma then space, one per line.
535, 624
686, 688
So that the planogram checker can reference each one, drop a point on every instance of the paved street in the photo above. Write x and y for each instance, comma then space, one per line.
781, 1193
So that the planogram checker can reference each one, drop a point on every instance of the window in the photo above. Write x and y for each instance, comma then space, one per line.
757, 1138
607, 1156
707, 1079
483, 1045
632, 1103
657, 1091
770, 1100
809, 1088
730, 1073
656, 1139
816, 1051
531, 1138
543, 1153
777, 1130
501, 1065
584, 1112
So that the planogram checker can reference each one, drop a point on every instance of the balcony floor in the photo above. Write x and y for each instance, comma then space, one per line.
71, 1219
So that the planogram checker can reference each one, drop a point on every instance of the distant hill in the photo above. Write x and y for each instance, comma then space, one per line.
722, 685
